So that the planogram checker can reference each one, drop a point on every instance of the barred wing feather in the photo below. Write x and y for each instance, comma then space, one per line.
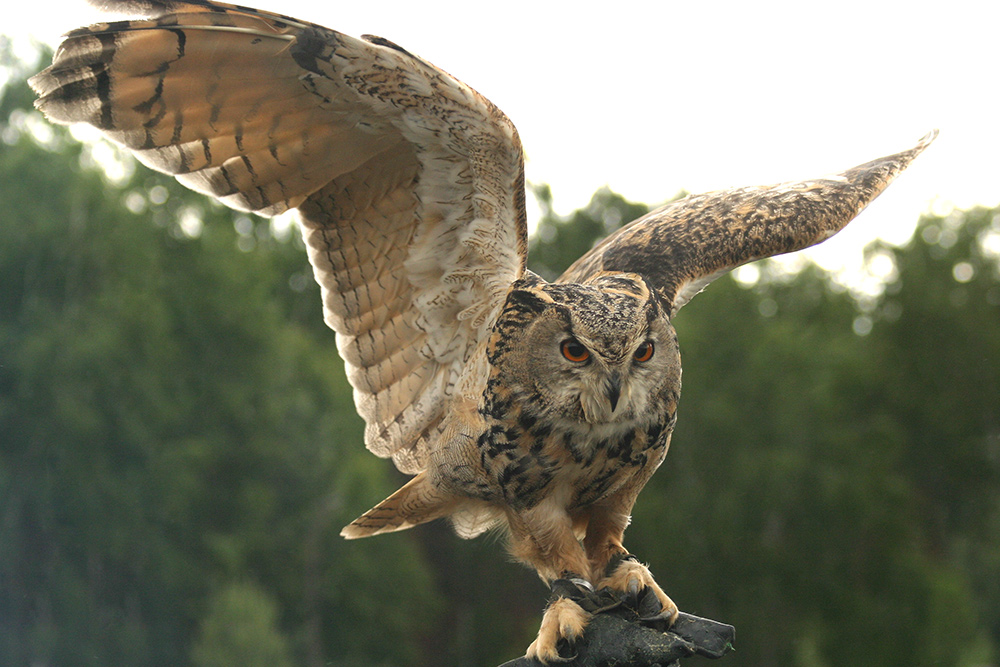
683, 246
409, 184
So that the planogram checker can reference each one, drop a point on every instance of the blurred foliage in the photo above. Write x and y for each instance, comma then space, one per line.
559, 241
171, 422
239, 629
179, 447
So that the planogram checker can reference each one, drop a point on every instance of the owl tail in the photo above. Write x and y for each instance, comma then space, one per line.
416, 502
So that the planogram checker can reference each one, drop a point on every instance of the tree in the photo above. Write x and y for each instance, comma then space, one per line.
560, 241
169, 424
240, 628
936, 329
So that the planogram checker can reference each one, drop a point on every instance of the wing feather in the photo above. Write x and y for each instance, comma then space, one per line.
683, 246
409, 184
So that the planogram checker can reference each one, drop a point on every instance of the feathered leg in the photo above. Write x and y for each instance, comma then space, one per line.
543, 538
611, 564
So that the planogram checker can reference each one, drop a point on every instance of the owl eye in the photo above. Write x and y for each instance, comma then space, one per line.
574, 350
644, 352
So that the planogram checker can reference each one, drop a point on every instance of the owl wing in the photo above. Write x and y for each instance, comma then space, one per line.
409, 184
683, 246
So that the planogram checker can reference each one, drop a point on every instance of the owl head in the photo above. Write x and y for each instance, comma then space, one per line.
586, 356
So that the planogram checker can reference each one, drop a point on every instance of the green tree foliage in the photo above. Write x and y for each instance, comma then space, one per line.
240, 628
559, 241
786, 477
168, 425
937, 331
179, 448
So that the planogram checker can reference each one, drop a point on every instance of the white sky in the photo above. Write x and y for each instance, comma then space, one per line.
653, 97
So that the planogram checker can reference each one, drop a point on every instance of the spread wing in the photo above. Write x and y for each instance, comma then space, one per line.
685, 245
409, 184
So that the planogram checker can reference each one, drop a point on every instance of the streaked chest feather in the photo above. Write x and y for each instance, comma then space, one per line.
524, 457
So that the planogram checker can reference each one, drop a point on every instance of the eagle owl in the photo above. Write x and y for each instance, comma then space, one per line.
539, 407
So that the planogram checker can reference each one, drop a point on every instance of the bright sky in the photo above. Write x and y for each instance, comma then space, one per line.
653, 97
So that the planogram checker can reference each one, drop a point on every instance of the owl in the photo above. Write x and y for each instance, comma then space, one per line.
539, 408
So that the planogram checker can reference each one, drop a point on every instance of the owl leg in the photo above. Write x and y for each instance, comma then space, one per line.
612, 566
630, 576
563, 619
544, 539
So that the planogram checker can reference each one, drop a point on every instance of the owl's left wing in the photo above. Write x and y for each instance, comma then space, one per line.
683, 246
409, 184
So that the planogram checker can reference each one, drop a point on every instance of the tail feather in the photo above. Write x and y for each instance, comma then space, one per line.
418, 501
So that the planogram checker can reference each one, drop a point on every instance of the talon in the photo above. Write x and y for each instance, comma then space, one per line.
563, 619
631, 576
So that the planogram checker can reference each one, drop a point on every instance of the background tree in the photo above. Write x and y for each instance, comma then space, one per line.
170, 424
239, 628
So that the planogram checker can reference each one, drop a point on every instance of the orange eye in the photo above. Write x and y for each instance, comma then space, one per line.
644, 352
574, 350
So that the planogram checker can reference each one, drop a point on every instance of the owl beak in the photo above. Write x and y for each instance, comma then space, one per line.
614, 391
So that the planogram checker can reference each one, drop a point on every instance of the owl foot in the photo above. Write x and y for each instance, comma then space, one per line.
563, 619
629, 576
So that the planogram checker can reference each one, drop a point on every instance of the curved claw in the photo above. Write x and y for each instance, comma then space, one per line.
563, 619
630, 576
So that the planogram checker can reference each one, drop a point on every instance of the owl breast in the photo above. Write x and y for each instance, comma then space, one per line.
526, 457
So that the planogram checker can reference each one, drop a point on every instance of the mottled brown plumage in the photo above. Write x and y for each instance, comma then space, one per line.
540, 407
686, 244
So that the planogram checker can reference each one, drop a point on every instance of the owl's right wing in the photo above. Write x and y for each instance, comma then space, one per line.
409, 184
683, 246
